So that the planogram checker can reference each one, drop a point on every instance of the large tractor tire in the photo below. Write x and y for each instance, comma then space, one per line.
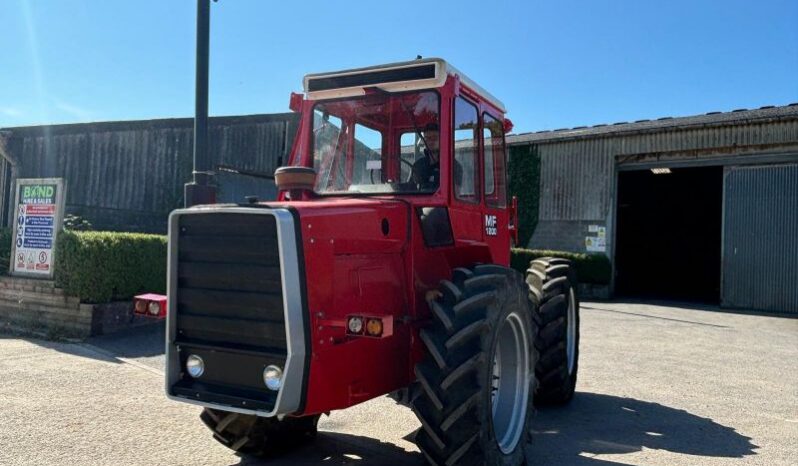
552, 290
259, 436
477, 381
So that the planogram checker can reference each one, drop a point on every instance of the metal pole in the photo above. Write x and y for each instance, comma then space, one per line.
201, 190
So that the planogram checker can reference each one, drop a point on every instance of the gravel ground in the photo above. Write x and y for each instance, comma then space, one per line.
659, 385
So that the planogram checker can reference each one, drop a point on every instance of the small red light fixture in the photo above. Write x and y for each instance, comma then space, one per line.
369, 326
150, 305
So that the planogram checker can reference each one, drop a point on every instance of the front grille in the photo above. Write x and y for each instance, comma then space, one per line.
229, 291
229, 305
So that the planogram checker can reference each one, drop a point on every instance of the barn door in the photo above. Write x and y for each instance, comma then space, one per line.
760, 228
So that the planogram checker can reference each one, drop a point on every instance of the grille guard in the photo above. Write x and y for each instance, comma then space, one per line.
290, 396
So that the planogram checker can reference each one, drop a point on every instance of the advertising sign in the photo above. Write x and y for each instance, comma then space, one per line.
596, 240
39, 209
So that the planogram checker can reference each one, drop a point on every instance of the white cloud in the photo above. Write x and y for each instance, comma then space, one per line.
10, 112
73, 110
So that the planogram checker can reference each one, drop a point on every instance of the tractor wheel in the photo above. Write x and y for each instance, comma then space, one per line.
260, 436
552, 290
477, 379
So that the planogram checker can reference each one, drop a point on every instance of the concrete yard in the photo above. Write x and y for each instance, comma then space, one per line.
658, 385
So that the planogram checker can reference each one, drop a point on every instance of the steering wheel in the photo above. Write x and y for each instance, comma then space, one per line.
406, 162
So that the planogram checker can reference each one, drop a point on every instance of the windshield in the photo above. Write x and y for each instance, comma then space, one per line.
377, 144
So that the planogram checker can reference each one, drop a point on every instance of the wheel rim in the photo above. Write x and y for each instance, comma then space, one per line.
571, 337
510, 382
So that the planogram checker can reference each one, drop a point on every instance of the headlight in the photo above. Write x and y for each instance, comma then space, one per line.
355, 324
273, 377
154, 308
195, 365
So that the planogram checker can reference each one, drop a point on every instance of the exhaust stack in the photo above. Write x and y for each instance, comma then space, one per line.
201, 190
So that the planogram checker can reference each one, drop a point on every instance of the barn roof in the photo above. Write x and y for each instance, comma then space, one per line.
763, 114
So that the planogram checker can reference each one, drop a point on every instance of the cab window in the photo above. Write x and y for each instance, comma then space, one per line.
494, 162
329, 138
367, 167
355, 150
412, 148
466, 138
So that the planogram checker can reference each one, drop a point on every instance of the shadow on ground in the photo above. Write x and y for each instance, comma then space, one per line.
132, 343
332, 448
595, 424
146, 341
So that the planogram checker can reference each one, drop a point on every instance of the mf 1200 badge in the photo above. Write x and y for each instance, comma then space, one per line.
490, 225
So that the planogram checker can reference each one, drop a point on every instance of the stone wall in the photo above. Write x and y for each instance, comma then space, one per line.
37, 305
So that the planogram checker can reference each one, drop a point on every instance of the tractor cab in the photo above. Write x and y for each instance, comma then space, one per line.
419, 130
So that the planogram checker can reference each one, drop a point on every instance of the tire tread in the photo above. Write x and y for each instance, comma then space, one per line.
550, 281
449, 400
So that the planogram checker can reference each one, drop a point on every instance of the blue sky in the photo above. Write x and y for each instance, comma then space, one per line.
554, 64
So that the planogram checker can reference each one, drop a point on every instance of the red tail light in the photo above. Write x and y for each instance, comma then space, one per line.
150, 304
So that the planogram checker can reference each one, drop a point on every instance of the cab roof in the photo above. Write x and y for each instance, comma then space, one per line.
423, 73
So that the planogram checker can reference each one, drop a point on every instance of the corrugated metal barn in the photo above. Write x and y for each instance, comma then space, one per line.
701, 208
129, 175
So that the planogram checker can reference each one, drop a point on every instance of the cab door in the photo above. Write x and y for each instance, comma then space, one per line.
495, 220
466, 211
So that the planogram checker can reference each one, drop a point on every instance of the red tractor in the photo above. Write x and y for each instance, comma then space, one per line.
383, 268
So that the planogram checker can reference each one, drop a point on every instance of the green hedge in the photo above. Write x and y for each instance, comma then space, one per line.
6, 237
524, 182
101, 266
590, 268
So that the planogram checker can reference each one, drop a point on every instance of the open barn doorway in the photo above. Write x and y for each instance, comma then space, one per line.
668, 234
